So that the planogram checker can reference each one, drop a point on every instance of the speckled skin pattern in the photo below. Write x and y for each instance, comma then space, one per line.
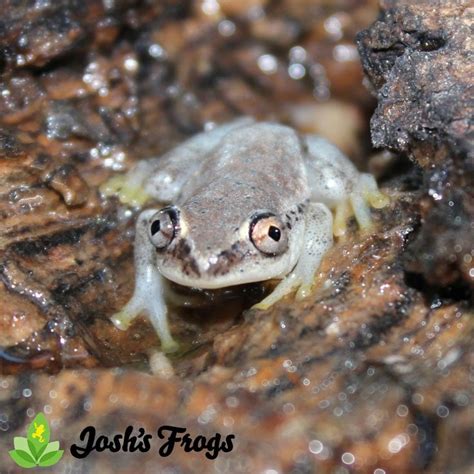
217, 182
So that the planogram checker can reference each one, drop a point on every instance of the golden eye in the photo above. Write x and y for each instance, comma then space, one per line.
268, 234
163, 226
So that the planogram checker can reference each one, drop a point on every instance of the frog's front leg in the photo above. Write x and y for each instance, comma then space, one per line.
148, 295
317, 240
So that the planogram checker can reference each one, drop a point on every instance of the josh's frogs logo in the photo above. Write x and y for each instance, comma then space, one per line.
35, 449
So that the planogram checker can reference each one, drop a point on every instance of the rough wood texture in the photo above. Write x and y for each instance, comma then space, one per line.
419, 57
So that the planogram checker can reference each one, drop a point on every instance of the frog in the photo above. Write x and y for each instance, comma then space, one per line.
247, 201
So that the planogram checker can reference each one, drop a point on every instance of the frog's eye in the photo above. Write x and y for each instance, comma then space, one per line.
268, 234
162, 228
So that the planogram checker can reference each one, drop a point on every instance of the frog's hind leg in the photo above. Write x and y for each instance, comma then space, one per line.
365, 194
317, 240
336, 182
148, 295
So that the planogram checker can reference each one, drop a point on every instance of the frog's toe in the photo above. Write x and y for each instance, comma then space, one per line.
342, 213
113, 185
370, 192
168, 346
264, 304
129, 187
122, 319
287, 286
377, 199
361, 211
365, 195
133, 196
356, 205
127, 193
304, 291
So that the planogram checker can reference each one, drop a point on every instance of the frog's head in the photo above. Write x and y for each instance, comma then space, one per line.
208, 245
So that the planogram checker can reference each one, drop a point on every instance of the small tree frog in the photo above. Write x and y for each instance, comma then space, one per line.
247, 201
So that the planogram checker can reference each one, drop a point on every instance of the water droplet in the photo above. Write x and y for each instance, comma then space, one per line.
156, 51
27, 393
402, 410
130, 64
324, 404
297, 54
345, 52
226, 28
232, 402
315, 446
417, 398
267, 64
348, 458
333, 26
210, 7
296, 71
442, 411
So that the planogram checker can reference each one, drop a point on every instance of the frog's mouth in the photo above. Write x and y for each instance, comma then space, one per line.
214, 283
227, 269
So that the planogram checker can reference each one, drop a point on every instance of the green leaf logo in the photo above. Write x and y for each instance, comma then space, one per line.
35, 449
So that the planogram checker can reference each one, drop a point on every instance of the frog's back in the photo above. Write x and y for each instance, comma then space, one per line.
259, 165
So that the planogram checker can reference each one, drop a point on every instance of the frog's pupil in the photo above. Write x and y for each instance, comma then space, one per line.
155, 227
274, 233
